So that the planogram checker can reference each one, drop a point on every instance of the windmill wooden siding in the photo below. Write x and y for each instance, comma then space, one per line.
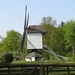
34, 37
34, 41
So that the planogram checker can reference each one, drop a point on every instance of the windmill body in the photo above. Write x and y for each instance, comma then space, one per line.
34, 42
34, 37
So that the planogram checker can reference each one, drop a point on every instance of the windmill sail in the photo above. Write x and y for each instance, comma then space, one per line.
25, 30
27, 21
25, 17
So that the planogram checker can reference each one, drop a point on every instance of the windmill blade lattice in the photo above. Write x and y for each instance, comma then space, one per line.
25, 30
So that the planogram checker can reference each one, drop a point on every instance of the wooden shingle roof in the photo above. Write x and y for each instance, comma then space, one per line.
35, 29
34, 54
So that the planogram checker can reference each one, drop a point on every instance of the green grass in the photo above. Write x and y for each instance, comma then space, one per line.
43, 62
36, 62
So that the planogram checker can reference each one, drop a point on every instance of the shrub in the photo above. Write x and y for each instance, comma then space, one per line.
7, 58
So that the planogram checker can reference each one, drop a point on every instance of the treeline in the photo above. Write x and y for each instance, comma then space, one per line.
60, 38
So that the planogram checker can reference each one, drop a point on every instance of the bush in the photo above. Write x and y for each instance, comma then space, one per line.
7, 58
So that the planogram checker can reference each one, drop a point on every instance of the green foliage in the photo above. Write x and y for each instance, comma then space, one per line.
61, 39
54, 36
1, 44
57, 42
1, 47
69, 31
12, 41
7, 58
48, 21
48, 24
1, 38
69, 35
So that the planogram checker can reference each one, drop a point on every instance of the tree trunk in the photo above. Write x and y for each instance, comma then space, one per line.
73, 53
73, 50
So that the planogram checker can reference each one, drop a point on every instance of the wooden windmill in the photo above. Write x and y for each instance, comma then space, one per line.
34, 39
34, 42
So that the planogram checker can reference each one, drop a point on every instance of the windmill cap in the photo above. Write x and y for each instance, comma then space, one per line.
36, 29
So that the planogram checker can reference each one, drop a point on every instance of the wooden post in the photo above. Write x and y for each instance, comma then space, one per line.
42, 70
68, 70
47, 70
8, 70
22, 70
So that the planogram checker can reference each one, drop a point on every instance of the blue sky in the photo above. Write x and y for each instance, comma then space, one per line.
12, 12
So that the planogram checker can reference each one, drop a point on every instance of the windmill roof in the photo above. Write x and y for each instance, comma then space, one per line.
33, 54
36, 29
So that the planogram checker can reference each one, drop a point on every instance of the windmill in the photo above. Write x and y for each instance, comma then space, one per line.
34, 40
25, 30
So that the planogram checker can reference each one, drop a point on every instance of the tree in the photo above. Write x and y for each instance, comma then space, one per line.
12, 41
69, 36
1, 38
49, 25
1, 44
48, 21
1, 47
7, 58
57, 42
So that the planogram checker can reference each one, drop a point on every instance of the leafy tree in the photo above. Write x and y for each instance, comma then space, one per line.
1, 44
1, 47
69, 35
48, 21
12, 41
1, 38
7, 58
57, 42
49, 25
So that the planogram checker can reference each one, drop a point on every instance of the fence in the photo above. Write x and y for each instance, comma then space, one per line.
37, 69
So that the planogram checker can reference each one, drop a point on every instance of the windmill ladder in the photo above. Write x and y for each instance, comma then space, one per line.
47, 49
